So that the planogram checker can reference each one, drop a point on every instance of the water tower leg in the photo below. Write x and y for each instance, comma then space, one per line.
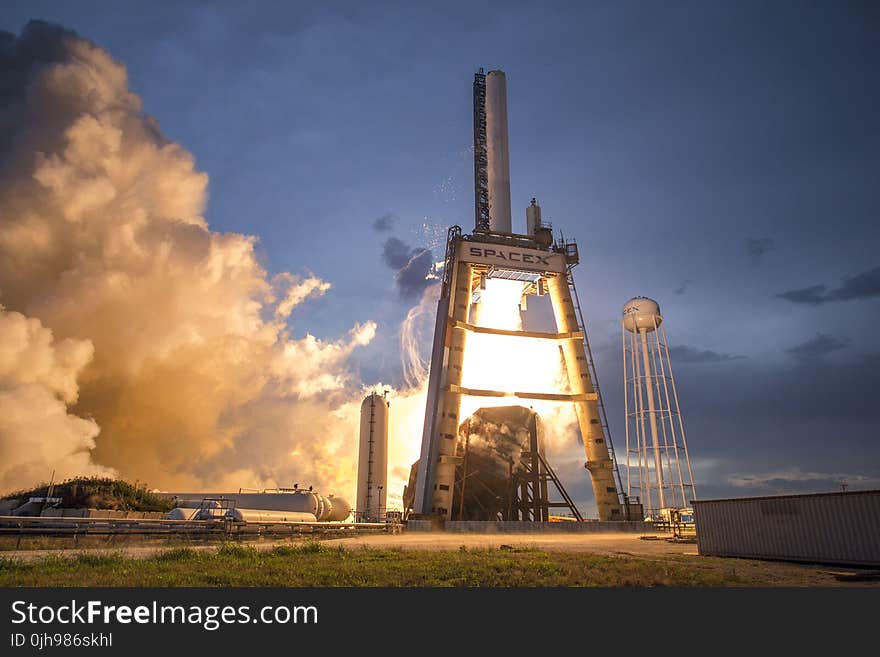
652, 417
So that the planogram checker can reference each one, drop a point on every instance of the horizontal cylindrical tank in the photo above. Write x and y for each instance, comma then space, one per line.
267, 515
323, 508
185, 513
641, 314
196, 504
339, 509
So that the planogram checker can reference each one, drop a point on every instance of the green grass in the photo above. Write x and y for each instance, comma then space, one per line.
315, 564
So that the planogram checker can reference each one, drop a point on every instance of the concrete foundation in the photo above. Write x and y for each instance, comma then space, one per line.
525, 526
102, 513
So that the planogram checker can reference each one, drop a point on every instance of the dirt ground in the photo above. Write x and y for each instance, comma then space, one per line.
610, 543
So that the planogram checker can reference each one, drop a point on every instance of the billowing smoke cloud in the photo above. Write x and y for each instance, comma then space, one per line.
37, 382
414, 266
384, 223
416, 334
168, 342
396, 253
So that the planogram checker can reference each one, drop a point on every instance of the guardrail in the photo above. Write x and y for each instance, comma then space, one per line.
159, 527
682, 531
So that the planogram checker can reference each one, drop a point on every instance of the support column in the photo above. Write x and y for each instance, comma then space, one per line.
449, 403
599, 461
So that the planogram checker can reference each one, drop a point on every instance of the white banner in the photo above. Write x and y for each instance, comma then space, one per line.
511, 257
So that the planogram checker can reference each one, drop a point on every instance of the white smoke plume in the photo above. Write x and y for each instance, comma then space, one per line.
167, 341
37, 381
416, 332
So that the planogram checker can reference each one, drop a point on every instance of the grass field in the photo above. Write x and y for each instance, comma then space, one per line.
316, 564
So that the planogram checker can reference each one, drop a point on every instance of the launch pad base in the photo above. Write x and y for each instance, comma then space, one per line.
528, 526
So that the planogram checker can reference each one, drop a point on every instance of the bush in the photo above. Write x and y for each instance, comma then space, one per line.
99, 493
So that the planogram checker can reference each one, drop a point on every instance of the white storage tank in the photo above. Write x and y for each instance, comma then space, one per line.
372, 458
267, 515
339, 509
533, 218
325, 509
183, 513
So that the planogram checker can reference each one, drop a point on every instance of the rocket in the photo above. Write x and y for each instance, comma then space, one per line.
491, 153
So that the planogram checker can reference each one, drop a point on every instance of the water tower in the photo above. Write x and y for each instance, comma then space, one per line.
658, 465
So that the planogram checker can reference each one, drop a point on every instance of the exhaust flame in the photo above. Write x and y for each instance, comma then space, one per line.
515, 364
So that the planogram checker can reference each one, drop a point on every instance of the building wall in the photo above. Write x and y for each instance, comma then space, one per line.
842, 528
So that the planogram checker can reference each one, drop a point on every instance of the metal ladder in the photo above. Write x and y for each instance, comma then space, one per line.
369, 497
592, 367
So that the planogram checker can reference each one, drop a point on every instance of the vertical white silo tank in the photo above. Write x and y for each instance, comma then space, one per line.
533, 218
373, 459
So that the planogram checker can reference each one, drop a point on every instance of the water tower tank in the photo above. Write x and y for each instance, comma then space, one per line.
373, 458
641, 314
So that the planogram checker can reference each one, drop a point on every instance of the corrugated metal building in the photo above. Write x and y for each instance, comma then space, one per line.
840, 528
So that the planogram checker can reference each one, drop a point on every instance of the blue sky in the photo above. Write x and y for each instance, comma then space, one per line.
711, 155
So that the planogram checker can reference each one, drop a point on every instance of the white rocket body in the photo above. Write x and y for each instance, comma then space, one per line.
497, 151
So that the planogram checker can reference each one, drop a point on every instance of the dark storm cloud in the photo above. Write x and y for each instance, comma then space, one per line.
412, 265
794, 480
861, 286
685, 354
40, 43
758, 246
384, 223
813, 296
817, 347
